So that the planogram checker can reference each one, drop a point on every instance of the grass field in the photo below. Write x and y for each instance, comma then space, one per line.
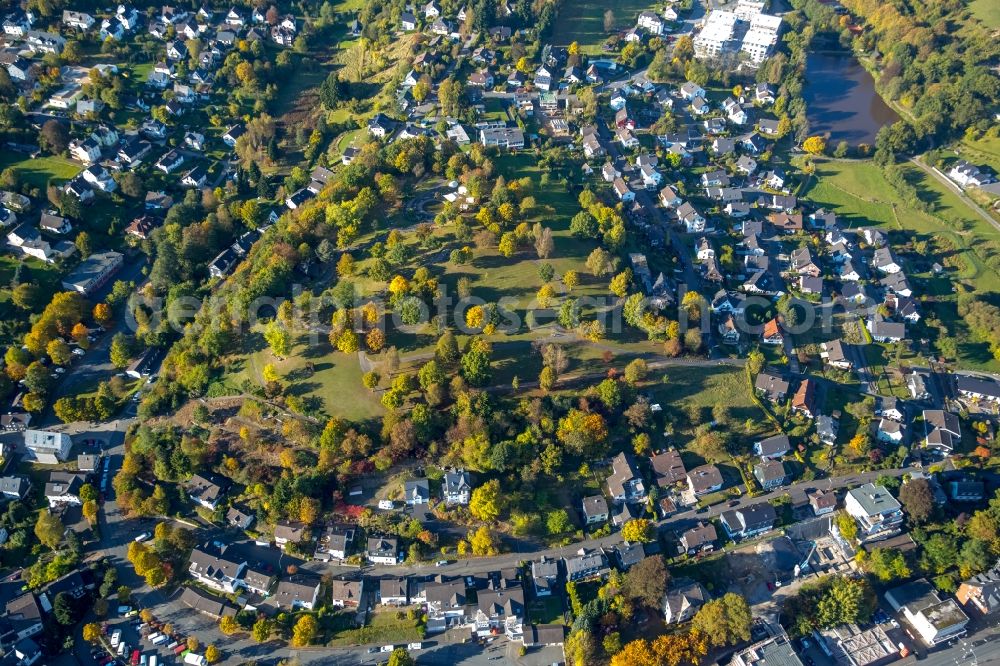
987, 11
334, 376
38, 172
582, 21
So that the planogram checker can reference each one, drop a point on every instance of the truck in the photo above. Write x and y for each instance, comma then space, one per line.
162, 638
116, 638
122, 649
124, 609
194, 659
152, 660
415, 646
153, 636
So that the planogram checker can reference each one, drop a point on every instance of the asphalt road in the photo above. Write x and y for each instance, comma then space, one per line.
96, 365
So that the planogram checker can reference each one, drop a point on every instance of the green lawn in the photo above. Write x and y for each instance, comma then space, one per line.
987, 11
383, 628
582, 21
38, 172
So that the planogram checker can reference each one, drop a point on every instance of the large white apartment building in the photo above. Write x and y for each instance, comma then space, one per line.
761, 37
716, 36
744, 30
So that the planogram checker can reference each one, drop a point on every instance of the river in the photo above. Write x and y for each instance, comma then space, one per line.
841, 100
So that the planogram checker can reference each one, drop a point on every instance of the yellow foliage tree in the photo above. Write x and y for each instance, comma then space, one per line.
475, 316
815, 145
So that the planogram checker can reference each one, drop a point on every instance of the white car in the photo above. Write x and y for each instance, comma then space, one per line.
143, 537
78, 351
60, 371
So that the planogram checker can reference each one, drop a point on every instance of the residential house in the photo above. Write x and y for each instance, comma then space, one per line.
804, 400
334, 543
346, 593
14, 487
748, 521
977, 389
768, 126
456, 487
771, 386
63, 489
773, 447
693, 221
827, 428
595, 509
835, 353
46, 446
883, 330
211, 566
746, 165
890, 431
822, 501
298, 592
417, 491
772, 335
981, 591
24, 618
394, 591
917, 383
286, 532
240, 517
724, 146
544, 576
446, 603
967, 175
935, 620
622, 190
233, 135
682, 600
704, 479
586, 564
942, 431
625, 483
876, 512
500, 611
885, 261
668, 468
651, 22
771, 474
383, 550
208, 492
699, 539
196, 177
170, 161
